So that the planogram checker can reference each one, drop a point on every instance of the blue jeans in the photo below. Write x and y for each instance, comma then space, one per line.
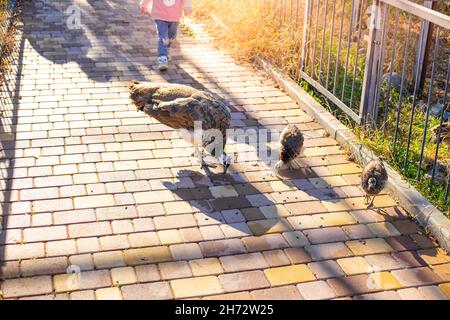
166, 31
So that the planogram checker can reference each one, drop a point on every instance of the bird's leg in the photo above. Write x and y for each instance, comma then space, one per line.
366, 199
371, 202
226, 161
199, 156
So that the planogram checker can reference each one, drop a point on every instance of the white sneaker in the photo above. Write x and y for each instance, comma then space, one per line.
163, 63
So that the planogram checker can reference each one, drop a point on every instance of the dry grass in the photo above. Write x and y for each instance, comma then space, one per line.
245, 29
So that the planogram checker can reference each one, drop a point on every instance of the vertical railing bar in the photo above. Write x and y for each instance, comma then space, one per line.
295, 35
348, 49
413, 109
315, 40
323, 42
310, 19
355, 68
284, 11
430, 94
331, 44
397, 121
339, 48
275, 11
438, 136
366, 92
447, 187
304, 38
290, 14
381, 63
391, 68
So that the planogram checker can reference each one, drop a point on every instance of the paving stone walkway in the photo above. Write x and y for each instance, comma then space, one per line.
101, 202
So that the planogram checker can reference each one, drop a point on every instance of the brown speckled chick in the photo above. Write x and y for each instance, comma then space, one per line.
444, 134
181, 107
373, 179
291, 146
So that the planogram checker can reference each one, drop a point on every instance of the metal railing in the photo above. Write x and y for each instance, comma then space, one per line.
386, 65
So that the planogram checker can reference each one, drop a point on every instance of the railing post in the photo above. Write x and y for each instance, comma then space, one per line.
304, 36
369, 81
425, 37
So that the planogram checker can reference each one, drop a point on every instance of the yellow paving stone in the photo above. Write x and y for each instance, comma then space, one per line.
354, 265
203, 267
178, 207
348, 168
357, 203
385, 280
66, 282
260, 227
193, 287
169, 236
326, 182
336, 205
369, 246
289, 274
231, 296
108, 259
223, 191
153, 196
125, 275
445, 288
434, 256
147, 255
333, 219
275, 211
279, 186
108, 294
442, 270
384, 201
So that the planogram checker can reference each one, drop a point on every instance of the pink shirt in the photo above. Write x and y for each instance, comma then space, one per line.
167, 10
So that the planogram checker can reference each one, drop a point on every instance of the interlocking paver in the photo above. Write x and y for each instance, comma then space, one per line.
27, 286
369, 246
445, 288
101, 189
416, 277
147, 273
147, 291
410, 294
432, 293
208, 285
147, 255
316, 290
243, 262
354, 265
278, 293
108, 294
326, 269
352, 285
242, 281
289, 274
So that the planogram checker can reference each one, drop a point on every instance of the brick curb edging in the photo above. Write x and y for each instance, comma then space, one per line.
427, 215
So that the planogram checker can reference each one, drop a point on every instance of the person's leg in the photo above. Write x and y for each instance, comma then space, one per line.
173, 29
163, 37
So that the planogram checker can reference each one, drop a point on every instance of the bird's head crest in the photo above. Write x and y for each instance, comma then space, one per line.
132, 85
